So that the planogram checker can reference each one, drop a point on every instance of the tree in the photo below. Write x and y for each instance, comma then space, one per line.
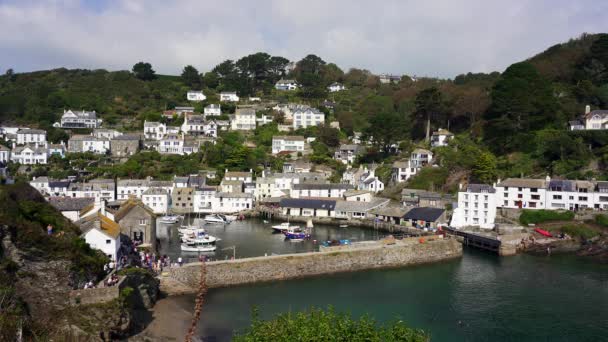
191, 77
211, 80
327, 325
329, 136
485, 170
522, 103
386, 128
429, 105
308, 73
332, 73
144, 71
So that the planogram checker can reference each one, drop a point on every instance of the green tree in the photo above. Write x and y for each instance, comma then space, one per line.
429, 106
309, 74
191, 77
485, 170
522, 102
211, 80
144, 71
386, 128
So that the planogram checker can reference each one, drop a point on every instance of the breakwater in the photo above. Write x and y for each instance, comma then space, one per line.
361, 256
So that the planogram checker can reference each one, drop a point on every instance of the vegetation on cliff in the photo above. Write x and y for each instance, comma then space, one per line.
37, 270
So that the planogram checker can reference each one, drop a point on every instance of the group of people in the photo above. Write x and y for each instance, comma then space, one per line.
112, 280
89, 285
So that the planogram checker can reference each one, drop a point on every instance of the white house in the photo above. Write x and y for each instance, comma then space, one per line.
231, 202
79, 119
177, 144
102, 233
157, 199
203, 199
5, 154
243, 119
212, 110
402, 171
29, 155
31, 136
347, 153
101, 189
421, 157
264, 119
476, 207
196, 125
441, 138
154, 130
303, 118
517, 193
288, 109
290, 143
369, 182
319, 190
88, 143
245, 177
286, 85
196, 95
126, 188
106, 133
229, 96
71, 207
334, 87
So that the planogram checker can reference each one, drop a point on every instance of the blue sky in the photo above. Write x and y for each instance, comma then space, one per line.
430, 38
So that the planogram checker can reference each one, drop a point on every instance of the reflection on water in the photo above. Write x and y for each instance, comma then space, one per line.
255, 238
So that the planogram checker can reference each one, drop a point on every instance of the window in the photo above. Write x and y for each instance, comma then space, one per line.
108, 242
143, 222
533, 190
506, 203
535, 197
520, 196
582, 198
557, 197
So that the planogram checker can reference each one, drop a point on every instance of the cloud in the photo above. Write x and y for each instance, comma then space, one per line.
432, 38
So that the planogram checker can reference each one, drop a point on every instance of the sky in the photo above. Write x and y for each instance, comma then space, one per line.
438, 38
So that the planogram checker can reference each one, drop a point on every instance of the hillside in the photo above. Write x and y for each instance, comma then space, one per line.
36, 270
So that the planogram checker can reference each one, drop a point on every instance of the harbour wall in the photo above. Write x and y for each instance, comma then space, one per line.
375, 255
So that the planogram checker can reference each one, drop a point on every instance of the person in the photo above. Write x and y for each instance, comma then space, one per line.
179, 261
111, 264
49, 229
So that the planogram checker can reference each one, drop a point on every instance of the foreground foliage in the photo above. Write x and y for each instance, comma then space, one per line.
327, 325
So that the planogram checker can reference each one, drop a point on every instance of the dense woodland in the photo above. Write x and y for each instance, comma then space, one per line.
507, 124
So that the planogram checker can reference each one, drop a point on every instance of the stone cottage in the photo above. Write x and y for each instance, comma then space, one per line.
137, 221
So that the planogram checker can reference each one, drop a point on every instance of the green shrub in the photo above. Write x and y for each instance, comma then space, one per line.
602, 220
327, 325
539, 216
577, 231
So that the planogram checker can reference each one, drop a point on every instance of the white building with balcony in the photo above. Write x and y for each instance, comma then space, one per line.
476, 207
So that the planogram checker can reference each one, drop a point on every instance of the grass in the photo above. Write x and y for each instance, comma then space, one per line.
576, 230
601, 220
540, 216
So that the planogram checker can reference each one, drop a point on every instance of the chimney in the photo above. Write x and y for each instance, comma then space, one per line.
587, 109
548, 179
459, 186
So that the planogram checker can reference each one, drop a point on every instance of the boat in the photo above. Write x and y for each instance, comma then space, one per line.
283, 227
543, 232
170, 219
189, 234
296, 234
343, 226
217, 218
206, 244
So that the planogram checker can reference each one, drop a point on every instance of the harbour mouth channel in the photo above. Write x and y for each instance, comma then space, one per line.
479, 297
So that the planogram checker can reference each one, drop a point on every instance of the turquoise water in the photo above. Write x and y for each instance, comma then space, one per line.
480, 297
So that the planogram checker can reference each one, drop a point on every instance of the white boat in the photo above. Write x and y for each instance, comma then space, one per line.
217, 218
191, 233
199, 245
283, 227
170, 219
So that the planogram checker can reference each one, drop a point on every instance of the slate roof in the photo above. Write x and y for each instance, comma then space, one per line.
480, 188
288, 137
307, 203
356, 206
424, 214
523, 183
70, 203
130, 137
59, 184
155, 191
31, 131
321, 186
234, 195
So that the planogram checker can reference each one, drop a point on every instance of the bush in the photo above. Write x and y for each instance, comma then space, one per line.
327, 325
574, 230
602, 220
539, 216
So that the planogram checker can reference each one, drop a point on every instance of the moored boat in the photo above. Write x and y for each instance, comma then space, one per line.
170, 219
296, 234
283, 227
217, 218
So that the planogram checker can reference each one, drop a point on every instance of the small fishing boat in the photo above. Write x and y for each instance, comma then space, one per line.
543, 232
283, 227
190, 234
217, 218
296, 234
170, 219
343, 226
206, 244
